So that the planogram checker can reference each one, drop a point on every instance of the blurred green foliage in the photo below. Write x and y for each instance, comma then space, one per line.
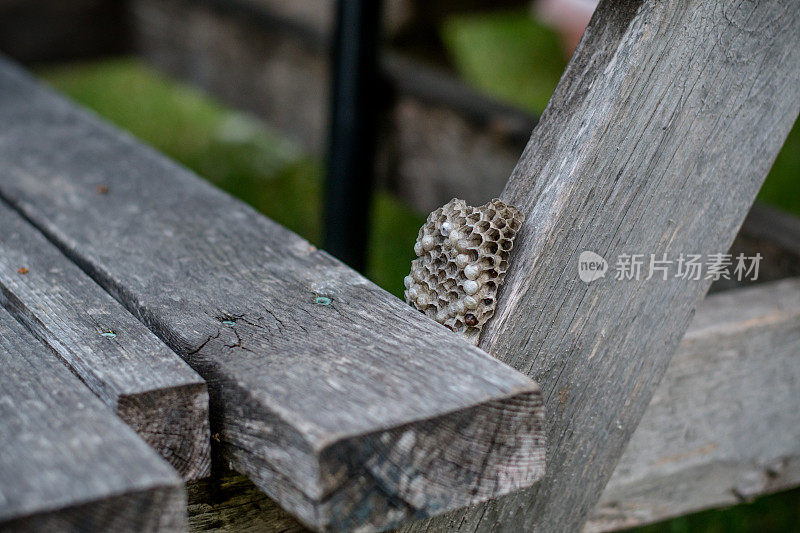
234, 151
512, 57
507, 55
782, 187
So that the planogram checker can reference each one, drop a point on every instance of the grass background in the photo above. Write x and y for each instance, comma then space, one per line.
236, 152
507, 55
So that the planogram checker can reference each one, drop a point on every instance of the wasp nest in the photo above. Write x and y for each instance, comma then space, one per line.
462, 258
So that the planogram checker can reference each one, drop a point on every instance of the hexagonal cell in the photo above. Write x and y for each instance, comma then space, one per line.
462, 257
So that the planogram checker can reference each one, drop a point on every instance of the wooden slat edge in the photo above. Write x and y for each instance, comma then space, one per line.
496, 443
682, 457
68, 463
174, 421
128, 367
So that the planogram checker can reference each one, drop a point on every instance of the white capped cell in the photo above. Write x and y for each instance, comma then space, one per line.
472, 271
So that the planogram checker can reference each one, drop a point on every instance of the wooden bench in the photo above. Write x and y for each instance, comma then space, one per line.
352, 411
337, 399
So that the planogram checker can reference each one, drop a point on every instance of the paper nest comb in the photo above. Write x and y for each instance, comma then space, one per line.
462, 257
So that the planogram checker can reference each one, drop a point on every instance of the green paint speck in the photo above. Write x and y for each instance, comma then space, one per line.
322, 300
229, 322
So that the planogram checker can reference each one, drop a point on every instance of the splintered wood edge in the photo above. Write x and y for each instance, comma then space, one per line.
68, 462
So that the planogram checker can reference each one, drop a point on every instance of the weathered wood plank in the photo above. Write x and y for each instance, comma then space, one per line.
340, 401
724, 424
703, 378
699, 444
67, 463
656, 141
120, 360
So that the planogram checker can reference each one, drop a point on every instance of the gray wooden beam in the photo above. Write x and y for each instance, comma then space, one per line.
724, 425
340, 401
67, 463
120, 360
656, 141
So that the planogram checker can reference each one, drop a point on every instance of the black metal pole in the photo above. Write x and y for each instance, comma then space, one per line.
355, 105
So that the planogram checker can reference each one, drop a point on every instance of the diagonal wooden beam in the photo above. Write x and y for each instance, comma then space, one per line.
656, 141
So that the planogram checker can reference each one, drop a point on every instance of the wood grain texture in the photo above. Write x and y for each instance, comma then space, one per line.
341, 402
656, 140
724, 425
133, 372
67, 463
